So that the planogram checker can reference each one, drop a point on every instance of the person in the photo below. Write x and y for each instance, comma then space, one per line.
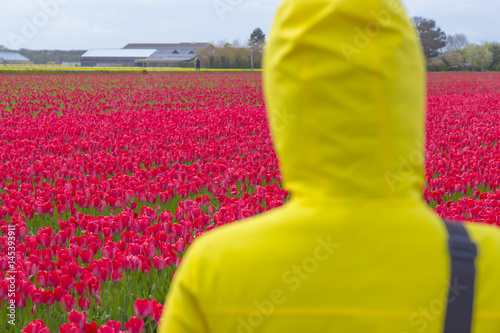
356, 249
197, 64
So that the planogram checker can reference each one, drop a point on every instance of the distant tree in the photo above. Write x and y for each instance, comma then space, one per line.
226, 55
478, 56
436, 65
3, 48
495, 52
57, 56
455, 61
236, 43
256, 42
432, 37
456, 42
257, 37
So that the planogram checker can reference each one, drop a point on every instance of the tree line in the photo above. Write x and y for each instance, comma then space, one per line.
48, 56
443, 52
454, 52
235, 55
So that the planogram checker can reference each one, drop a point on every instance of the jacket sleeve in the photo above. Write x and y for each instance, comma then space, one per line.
182, 312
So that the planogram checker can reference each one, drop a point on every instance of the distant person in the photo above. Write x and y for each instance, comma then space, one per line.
356, 250
197, 64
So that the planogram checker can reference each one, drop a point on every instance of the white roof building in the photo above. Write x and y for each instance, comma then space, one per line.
13, 58
119, 53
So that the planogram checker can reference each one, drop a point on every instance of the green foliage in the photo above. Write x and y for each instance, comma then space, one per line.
435, 65
432, 37
478, 56
56, 56
472, 57
495, 52
257, 37
455, 61
228, 56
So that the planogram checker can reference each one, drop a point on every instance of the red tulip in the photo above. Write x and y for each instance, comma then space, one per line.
94, 287
66, 282
36, 326
134, 325
90, 328
103, 276
111, 327
149, 250
19, 301
68, 303
180, 245
159, 263
157, 312
36, 296
77, 318
59, 293
4, 289
69, 328
41, 279
48, 297
136, 264
84, 303
145, 268
86, 256
80, 288
143, 308
116, 277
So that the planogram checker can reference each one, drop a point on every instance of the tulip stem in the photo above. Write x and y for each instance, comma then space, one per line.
94, 308
150, 328
48, 319
3, 307
155, 279
21, 312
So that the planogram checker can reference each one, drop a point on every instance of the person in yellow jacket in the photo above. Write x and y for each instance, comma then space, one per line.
356, 249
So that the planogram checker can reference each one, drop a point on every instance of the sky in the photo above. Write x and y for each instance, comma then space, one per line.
88, 24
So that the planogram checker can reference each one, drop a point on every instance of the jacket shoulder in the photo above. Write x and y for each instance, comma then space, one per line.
485, 235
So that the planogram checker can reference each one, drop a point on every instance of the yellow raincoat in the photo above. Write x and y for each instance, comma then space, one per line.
356, 249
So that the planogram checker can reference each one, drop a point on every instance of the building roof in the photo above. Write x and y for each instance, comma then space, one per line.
12, 56
167, 46
172, 55
122, 53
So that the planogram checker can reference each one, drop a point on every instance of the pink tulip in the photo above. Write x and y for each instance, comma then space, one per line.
159, 263
36, 326
157, 312
84, 303
68, 303
143, 308
116, 277
48, 297
41, 279
86, 256
69, 328
77, 318
80, 288
66, 282
134, 325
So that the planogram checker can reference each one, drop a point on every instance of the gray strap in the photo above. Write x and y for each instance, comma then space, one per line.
463, 253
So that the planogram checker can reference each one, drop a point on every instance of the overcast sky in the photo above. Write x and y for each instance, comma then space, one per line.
86, 24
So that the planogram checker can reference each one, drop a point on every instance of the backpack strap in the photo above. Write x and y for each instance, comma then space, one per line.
460, 302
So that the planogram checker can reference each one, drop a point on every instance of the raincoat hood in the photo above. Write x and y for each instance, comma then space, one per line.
345, 90
356, 249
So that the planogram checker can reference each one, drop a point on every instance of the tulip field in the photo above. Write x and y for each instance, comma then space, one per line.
107, 178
